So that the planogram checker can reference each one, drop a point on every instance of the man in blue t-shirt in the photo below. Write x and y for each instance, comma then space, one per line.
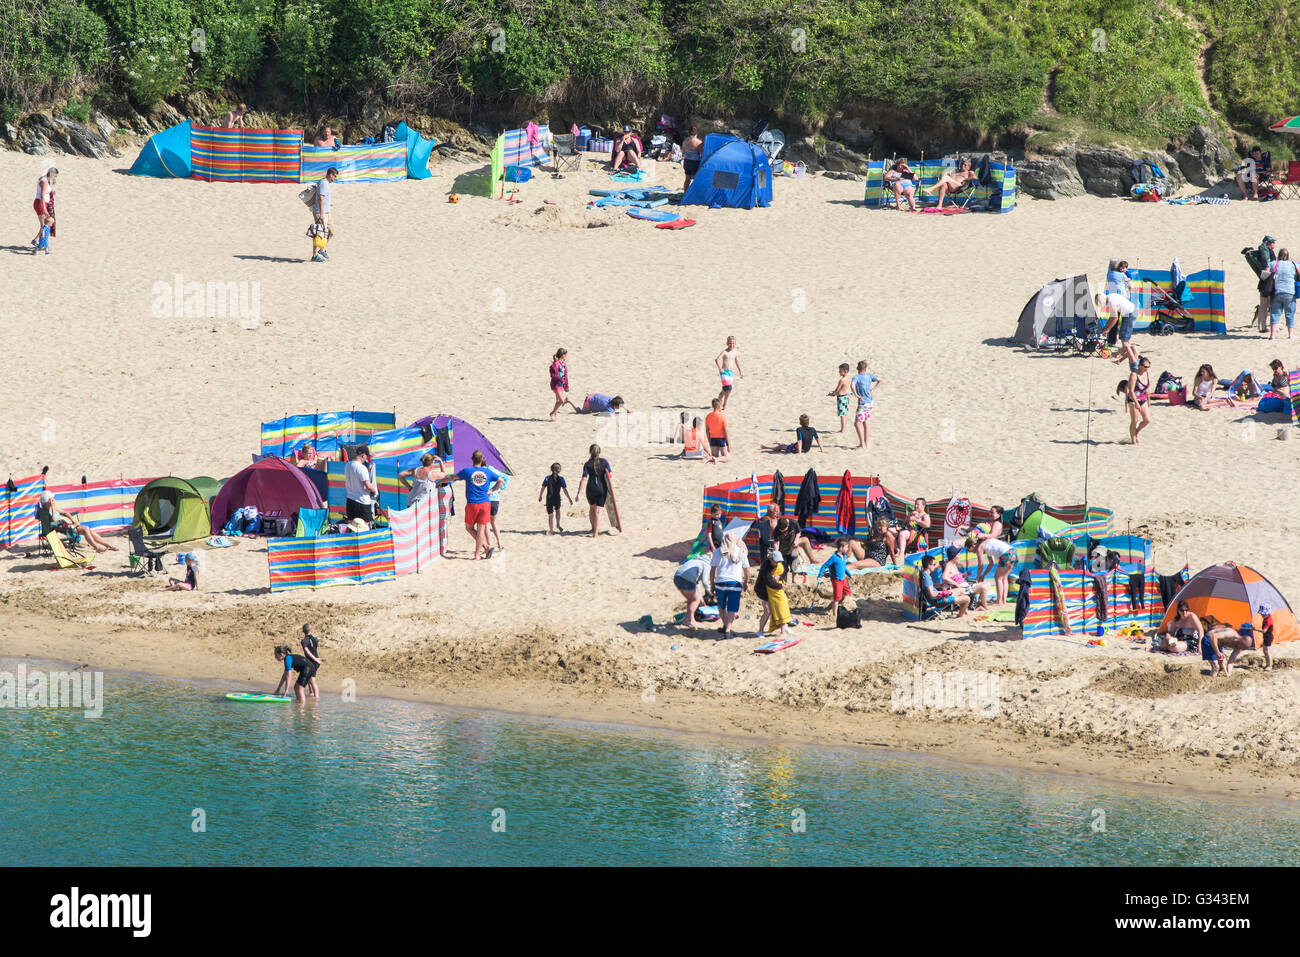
864, 386
480, 482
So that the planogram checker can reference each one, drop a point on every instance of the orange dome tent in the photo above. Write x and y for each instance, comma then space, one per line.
1230, 595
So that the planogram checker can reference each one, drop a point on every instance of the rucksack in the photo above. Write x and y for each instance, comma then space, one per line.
1030, 504
1254, 260
848, 619
1168, 382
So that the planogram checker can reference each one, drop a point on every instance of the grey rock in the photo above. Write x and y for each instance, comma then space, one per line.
1109, 172
841, 174
1048, 178
104, 125
853, 132
1204, 159
85, 141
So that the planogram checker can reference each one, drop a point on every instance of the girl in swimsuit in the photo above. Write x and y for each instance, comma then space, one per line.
918, 527
1135, 391
1281, 381
560, 382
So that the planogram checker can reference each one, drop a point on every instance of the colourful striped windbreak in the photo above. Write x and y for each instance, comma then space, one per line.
394, 443
348, 559
517, 151
1294, 380
1043, 618
245, 155
107, 506
420, 532
18, 524
1134, 554
326, 431
1002, 190
363, 163
392, 493
1206, 306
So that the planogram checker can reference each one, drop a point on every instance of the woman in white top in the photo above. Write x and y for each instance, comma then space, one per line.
729, 575
995, 550
420, 481
44, 201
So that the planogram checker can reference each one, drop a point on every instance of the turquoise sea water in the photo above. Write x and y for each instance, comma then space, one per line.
390, 782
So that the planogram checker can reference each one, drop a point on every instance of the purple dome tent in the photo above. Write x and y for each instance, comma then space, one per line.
465, 441
272, 484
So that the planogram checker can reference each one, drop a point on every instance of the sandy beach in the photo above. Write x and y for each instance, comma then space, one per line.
430, 307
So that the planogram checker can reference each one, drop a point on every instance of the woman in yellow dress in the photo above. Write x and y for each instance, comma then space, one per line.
769, 575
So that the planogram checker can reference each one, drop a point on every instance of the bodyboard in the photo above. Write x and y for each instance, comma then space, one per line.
675, 224
779, 644
657, 215
611, 504
258, 697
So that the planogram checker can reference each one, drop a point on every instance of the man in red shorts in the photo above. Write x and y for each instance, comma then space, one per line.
480, 482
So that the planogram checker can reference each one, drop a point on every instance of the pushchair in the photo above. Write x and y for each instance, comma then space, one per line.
1169, 315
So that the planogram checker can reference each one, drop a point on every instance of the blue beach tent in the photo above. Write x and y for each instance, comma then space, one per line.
418, 149
732, 173
166, 154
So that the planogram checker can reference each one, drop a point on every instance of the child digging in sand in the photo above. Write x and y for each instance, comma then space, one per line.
552, 485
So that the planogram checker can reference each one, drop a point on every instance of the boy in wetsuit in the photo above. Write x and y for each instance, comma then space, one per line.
552, 486
307, 679
292, 663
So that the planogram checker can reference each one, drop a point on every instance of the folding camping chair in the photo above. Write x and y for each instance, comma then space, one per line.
933, 610
564, 153
64, 558
71, 540
1289, 188
142, 558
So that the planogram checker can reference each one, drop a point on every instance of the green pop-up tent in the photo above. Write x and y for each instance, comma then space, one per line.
174, 509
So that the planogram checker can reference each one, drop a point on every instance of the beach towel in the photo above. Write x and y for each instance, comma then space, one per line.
809, 499
845, 521
778, 492
637, 177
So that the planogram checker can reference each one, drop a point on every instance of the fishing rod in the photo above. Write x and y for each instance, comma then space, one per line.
1087, 445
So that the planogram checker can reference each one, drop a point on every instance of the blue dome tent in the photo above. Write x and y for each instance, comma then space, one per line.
167, 154
732, 173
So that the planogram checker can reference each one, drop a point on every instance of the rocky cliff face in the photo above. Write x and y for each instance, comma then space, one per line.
1202, 159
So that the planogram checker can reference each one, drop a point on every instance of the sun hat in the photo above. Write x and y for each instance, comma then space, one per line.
953, 551
1266, 609
775, 554
359, 525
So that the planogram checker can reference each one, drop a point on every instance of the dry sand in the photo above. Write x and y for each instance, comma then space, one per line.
432, 307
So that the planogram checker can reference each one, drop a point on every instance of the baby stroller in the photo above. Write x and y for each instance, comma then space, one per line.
1170, 315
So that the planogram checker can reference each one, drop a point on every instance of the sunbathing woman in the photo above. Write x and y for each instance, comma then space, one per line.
1281, 380
953, 578
902, 181
917, 529
952, 181
73, 522
1185, 630
880, 550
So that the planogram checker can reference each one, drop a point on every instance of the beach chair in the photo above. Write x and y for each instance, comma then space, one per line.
142, 558
65, 558
933, 610
564, 153
1289, 187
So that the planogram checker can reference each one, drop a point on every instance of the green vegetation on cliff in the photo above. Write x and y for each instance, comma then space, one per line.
1138, 67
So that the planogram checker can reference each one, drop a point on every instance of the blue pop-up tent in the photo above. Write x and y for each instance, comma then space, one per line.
732, 173
166, 154
418, 149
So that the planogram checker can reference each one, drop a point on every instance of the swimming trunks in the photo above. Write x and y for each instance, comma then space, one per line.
1207, 650
864, 413
842, 404
727, 380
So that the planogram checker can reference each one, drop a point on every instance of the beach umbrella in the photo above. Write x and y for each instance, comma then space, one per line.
1290, 125
1231, 594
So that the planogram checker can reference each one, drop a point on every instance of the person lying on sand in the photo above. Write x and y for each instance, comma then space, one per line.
804, 437
600, 404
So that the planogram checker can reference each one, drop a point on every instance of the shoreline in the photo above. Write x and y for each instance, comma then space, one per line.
685, 713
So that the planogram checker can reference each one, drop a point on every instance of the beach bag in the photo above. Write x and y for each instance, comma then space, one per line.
848, 619
1167, 383
518, 174
308, 196
1272, 402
